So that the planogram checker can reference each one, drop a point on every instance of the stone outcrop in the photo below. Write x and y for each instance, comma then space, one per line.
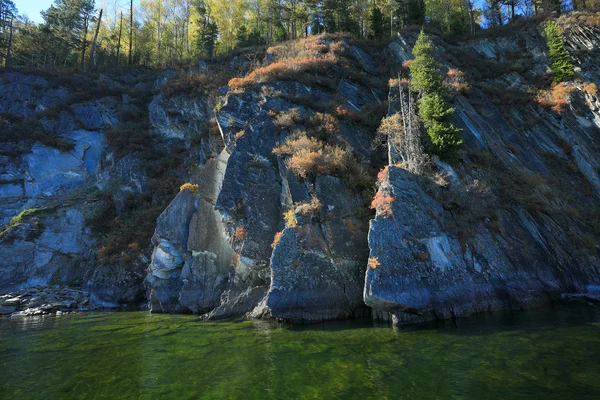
512, 224
481, 242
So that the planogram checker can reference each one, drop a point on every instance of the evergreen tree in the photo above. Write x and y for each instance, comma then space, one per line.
376, 24
410, 12
8, 14
69, 20
562, 66
433, 109
209, 31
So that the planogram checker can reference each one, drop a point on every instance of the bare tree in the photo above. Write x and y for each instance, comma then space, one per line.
402, 129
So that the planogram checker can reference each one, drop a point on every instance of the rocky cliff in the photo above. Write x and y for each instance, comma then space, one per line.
280, 167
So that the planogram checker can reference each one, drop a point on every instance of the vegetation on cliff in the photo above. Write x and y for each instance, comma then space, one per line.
562, 66
436, 115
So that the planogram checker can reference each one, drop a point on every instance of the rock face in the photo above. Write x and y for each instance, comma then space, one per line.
514, 223
499, 236
316, 267
47, 193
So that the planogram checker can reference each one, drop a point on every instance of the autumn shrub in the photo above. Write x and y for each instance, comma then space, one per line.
307, 155
276, 239
290, 218
382, 203
555, 98
288, 119
309, 208
190, 186
240, 233
590, 88
374, 263
196, 83
323, 126
382, 175
456, 83
394, 82
345, 113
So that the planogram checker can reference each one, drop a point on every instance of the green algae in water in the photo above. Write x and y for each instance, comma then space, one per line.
544, 354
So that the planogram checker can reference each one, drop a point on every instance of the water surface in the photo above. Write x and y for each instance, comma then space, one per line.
550, 354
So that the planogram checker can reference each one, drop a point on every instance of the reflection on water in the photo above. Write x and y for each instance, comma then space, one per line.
543, 354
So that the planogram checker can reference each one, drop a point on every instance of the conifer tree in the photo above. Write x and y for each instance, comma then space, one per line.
562, 66
433, 109
376, 24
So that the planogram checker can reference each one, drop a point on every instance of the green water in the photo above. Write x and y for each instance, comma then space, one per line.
552, 354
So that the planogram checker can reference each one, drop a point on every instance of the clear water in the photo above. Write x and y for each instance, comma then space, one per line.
543, 355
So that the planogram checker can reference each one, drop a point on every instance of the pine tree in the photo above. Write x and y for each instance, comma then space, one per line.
376, 24
562, 66
434, 111
425, 69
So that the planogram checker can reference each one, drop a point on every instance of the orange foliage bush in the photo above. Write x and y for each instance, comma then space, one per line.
456, 82
240, 233
190, 186
383, 174
345, 113
556, 98
317, 46
407, 63
395, 82
590, 88
374, 263
277, 238
383, 204
135, 246
309, 208
310, 155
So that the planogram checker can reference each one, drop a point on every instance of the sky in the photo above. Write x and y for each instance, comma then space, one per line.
32, 8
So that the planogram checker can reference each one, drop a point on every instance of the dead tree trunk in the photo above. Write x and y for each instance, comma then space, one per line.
93, 51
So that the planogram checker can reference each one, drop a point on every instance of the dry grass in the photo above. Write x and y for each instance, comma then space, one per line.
285, 70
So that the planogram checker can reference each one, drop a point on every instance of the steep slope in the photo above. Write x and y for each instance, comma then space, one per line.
306, 265
515, 223
276, 169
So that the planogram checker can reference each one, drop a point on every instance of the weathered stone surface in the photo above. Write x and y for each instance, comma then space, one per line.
192, 261
178, 117
45, 248
317, 267
96, 114
22, 94
50, 171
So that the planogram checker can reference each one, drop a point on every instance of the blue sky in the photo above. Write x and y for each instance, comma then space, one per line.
32, 8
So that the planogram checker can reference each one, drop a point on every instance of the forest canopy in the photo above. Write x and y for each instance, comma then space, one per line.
160, 33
